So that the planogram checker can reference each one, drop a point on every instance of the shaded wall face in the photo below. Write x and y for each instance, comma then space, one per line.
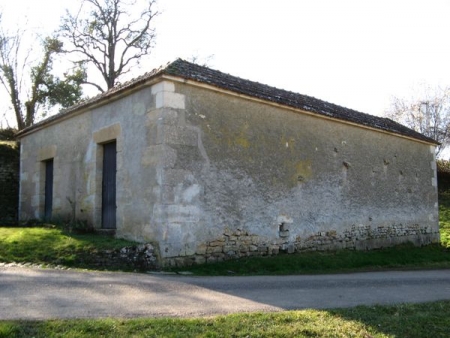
297, 181
67, 145
9, 182
76, 147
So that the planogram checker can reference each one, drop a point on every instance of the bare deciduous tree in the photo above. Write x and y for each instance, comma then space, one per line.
201, 60
111, 35
28, 79
428, 114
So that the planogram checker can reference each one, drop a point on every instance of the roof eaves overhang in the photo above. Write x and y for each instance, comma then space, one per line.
160, 76
90, 104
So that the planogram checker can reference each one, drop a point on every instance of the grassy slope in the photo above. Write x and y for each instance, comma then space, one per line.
444, 218
52, 246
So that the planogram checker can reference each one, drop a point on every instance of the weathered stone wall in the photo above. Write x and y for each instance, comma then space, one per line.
9, 182
288, 181
209, 176
75, 144
238, 244
140, 257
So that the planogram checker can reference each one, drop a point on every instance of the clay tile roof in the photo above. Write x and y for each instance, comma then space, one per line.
190, 71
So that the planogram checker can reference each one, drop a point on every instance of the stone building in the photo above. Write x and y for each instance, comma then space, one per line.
207, 166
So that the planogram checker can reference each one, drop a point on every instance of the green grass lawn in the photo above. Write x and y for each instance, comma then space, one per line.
53, 246
444, 218
413, 320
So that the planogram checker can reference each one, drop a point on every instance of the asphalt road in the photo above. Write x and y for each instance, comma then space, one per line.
44, 293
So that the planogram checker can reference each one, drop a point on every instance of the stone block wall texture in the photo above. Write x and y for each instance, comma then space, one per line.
9, 182
207, 176
262, 179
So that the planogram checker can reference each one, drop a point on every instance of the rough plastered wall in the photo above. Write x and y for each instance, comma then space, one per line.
206, 176
75, 144
246, 178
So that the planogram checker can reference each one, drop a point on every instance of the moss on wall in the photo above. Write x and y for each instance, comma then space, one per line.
443, 175
9, 182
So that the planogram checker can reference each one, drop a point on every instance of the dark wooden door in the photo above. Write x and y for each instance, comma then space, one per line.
48, 194
109, 186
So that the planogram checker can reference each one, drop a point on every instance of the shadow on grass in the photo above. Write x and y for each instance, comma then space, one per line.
404, 320
420, 320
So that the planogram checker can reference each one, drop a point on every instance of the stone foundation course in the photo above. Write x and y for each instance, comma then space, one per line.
240, 243
133, 258
141, 257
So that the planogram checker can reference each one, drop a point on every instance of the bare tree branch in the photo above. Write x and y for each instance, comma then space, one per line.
428, 114
108, 38
42, 88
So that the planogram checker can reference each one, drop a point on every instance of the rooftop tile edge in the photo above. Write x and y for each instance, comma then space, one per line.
190, 71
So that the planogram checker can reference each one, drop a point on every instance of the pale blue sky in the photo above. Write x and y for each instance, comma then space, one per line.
354, 53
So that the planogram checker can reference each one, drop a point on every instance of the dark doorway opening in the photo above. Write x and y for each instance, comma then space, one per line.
109, 186
48, 193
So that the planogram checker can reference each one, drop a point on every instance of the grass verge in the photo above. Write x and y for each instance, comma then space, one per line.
406, 320
45, 246
58, 247
444, 218
54, 246
399, 257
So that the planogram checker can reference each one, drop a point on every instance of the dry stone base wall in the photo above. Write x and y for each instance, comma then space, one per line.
241, 243
141, 257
